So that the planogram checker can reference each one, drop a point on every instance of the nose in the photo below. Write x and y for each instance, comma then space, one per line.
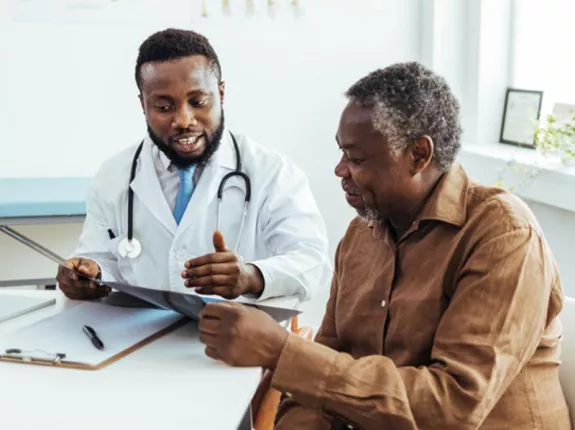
341, 168
184, 118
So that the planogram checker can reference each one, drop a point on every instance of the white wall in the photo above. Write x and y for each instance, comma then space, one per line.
69, 98
559, 228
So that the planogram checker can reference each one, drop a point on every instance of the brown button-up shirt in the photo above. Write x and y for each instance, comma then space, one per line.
453, 327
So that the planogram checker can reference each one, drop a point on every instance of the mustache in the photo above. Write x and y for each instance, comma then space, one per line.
350, 189
183, 135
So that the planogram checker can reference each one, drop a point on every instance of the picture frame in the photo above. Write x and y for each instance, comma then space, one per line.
521, 113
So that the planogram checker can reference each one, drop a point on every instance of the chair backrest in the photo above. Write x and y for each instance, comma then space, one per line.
567, 367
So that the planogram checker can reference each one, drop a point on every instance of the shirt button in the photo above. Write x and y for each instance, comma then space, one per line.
181, 254
383, 303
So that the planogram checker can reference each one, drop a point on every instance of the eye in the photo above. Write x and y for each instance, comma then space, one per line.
162, 108
199, 102
352, 160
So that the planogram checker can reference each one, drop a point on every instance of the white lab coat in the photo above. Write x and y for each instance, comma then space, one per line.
284, 233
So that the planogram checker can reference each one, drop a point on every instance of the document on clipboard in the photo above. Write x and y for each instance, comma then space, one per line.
61, 340
189, 305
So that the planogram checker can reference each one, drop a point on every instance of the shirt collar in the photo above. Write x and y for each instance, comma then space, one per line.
448, 201
163, 158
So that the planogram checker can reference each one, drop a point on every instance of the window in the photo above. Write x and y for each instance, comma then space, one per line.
543, 56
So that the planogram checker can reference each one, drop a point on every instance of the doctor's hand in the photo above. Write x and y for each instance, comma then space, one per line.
240, 335
76, 288
222, 273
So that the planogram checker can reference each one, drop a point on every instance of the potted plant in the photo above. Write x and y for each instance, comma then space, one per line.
555, 141
556, 138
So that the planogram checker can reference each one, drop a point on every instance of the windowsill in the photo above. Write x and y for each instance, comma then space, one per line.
525, 172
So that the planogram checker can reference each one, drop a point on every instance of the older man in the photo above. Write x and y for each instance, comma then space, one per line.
444, 302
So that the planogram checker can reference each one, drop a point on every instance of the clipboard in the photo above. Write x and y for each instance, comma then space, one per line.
58, 341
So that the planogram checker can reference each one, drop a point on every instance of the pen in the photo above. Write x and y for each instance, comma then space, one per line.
111, 234
91, 333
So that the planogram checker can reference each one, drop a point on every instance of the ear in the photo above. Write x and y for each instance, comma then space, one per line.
142, 103
222, 88
421, 152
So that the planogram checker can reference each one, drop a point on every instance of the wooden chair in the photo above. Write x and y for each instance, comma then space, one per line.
266, 400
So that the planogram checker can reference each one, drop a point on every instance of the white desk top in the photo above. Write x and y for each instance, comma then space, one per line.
169, 384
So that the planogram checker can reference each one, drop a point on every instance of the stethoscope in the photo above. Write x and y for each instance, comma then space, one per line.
130, 247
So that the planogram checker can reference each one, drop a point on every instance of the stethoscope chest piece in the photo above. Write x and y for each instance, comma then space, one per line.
129, 248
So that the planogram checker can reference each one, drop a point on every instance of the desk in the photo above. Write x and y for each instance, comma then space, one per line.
168, 384
41, 201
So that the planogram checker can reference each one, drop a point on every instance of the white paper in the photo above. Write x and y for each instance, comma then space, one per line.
119, 328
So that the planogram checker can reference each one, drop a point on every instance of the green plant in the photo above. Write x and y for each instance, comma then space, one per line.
552, 138
556, 137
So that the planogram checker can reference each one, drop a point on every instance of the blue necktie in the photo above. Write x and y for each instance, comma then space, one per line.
185, 191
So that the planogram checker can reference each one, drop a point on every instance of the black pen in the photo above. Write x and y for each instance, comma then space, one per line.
91, 333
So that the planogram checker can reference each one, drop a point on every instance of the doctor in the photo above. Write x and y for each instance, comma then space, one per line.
152, 209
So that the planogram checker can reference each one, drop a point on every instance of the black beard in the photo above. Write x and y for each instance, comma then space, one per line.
180, 162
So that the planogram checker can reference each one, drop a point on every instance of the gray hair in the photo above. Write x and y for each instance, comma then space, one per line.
410, 101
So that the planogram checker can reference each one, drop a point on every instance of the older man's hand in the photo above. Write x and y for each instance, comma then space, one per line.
240, 335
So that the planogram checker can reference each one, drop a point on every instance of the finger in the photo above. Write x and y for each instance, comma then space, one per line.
82, 286
209, 325
219, 242
76, 294
63, 272
77, 284
208, 339
223, 291
100, 287
88, 267
72, 263
214, 310
76, 272
214, 258
68, 271
212, 353
208, 281
211, 269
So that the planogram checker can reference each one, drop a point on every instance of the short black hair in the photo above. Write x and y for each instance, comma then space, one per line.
410, 101
171, 44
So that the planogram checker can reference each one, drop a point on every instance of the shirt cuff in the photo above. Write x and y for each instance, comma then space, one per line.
269, 290
303, 370
106, 274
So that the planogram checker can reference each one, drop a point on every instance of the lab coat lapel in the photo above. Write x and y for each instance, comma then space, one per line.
223, 161
147, 189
